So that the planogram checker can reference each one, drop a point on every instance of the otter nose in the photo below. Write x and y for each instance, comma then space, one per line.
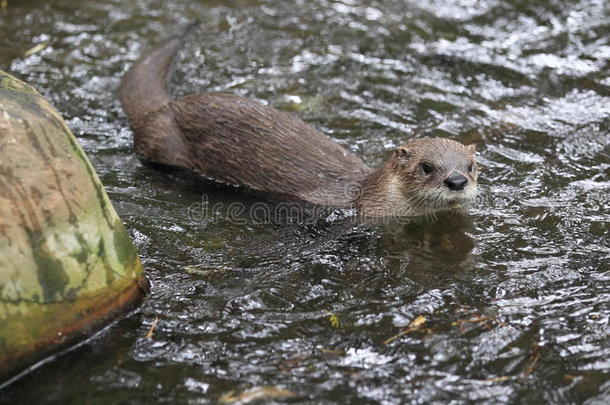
456, 181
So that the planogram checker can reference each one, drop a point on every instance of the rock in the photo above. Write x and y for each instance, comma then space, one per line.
67, 265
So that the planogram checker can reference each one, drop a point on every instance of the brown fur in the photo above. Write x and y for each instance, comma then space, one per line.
400, 187
238, 141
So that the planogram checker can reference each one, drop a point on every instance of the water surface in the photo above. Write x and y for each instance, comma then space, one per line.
515, 296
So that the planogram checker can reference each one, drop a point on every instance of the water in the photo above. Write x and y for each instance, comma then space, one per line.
515, 296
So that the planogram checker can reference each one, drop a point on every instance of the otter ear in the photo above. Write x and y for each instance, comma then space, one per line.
472, 149
403, 153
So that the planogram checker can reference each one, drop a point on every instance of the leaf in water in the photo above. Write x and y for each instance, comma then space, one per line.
254, 394
335, 352
487, 322
414, 325
35, 49
417, 322
532, 361
197, 271
152, 328
499, 379
334, 319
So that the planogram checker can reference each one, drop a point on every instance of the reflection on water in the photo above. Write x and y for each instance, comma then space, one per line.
514, 296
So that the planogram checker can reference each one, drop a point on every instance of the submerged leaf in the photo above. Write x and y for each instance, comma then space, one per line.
414, 325
254, 394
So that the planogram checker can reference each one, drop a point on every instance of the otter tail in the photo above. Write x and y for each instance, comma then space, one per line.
144, 86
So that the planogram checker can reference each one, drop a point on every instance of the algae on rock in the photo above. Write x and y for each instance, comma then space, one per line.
67, 264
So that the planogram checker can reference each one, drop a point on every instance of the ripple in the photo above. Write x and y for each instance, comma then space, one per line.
515, 295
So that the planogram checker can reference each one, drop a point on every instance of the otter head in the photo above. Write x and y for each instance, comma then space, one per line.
435, 174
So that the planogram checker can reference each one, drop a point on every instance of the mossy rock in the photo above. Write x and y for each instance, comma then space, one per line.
67, 265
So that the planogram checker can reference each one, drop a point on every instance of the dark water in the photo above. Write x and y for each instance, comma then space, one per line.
515, 296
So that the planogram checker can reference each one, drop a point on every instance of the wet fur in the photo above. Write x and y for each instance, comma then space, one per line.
232, 139
239, 141
401, 188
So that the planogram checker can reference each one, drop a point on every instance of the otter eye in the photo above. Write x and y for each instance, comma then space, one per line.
427, 168
471, 168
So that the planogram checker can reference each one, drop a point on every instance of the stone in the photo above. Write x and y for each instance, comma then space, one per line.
67, 264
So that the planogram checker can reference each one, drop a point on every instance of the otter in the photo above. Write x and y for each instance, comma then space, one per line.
231, 139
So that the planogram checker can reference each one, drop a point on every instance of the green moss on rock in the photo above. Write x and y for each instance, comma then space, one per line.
67, 264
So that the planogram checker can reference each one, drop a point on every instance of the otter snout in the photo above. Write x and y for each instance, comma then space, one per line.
456, 181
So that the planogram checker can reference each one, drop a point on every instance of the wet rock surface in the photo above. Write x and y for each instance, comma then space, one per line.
67, 264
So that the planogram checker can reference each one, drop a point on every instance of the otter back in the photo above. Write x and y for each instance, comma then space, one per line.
240, 141
234, 140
